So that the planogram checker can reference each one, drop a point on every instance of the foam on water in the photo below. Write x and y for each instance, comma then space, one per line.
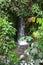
22, 42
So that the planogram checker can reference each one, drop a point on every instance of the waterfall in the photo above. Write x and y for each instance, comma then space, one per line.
21, 32
21, 28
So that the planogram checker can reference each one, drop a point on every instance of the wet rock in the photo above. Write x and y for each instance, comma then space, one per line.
26, 53
23, 63
21, 57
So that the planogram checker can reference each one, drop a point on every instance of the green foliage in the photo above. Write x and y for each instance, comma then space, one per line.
20, 6
39, 45
2, 63
32, 29
39, 38
29, 38
22, 37
36, 51
40, 21
7, 43
7, 32
13, 56
39, 33
36, 10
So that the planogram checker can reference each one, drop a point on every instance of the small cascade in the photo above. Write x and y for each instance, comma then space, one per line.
21, 28
21, 32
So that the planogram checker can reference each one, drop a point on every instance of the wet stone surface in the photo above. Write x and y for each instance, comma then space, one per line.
20, 49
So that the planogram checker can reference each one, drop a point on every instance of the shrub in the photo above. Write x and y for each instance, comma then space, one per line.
7, 43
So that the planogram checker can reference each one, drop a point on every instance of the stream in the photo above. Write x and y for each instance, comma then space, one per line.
22, 44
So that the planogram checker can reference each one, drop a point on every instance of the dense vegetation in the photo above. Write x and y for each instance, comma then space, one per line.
32, 13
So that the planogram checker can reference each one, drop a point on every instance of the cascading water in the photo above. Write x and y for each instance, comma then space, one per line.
21, 32
21, 28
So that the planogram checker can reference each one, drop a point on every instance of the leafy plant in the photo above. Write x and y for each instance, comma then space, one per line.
29, 38
36, 10
40, 21
22, 37
13, 56
7, 43
39, 37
